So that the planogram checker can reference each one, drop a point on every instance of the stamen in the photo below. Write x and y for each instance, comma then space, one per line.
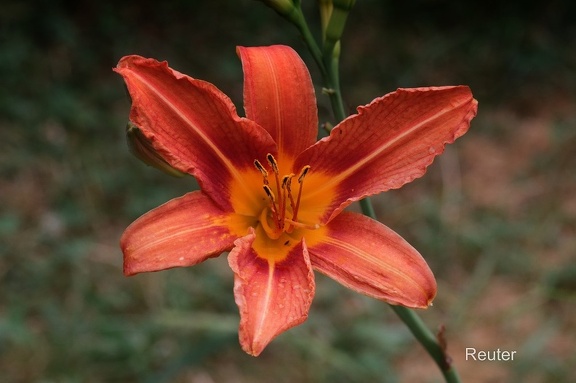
278, 202
285, 180
273, 163
282, 207
288, 187
260, 168
269, 193
273, 208
303, 173
273, 232
301, 176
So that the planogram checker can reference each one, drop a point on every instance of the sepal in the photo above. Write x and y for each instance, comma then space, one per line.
141, 148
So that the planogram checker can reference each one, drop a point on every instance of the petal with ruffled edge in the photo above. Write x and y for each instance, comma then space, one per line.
279, 96
272, 296
194, 126
182, 232
366, 256
387, 144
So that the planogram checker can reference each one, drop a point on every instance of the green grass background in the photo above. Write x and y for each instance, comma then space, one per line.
495, 216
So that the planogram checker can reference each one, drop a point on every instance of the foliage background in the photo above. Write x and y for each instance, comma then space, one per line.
495, 216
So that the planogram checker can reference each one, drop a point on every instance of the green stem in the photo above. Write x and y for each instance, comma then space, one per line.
298, 19
332, 80
367, 208
328, 63
428, 341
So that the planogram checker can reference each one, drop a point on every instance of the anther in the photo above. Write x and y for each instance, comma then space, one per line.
286, 180
303, 173
296, 206
269, 193
260, 168
273, 163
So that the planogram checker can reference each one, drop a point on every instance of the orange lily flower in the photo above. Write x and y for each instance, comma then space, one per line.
274, 197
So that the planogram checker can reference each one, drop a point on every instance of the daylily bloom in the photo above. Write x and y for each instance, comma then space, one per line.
273, 197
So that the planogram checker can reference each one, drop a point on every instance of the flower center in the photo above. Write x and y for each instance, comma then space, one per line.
281, 214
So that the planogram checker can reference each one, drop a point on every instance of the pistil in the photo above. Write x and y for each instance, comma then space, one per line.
282, 200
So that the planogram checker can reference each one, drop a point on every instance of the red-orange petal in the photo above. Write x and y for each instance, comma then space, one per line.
388, 143
272, 296
279, 95
193, 125
368, 257
182, 232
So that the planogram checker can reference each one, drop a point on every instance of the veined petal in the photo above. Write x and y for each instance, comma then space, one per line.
182, 232
272, 296
193, 125
279, 96
388, 143
366, 256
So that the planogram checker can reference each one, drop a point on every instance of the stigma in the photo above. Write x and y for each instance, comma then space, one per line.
281, 214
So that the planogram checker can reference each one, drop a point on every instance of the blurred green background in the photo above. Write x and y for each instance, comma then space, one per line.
495, 216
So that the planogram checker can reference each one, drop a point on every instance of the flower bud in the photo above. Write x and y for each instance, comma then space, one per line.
325, 7
283, 7
140, 147
336, 23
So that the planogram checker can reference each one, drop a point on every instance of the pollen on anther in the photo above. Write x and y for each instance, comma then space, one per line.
273, 163
260, 168
303, 173
269, 192
286, 181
